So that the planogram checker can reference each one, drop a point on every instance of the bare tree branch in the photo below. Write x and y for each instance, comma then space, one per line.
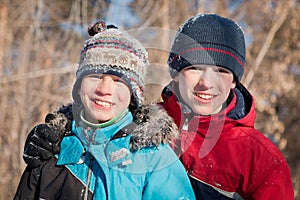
36, 74
265, 47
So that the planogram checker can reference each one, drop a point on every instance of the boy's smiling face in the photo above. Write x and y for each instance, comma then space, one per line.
204, 88
103, 96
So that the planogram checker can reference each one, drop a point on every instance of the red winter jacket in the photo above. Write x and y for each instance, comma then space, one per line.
228, 158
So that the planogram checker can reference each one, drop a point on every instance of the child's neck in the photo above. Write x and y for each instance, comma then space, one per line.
104, 124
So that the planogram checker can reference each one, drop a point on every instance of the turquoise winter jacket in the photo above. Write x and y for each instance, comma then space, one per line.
112, 171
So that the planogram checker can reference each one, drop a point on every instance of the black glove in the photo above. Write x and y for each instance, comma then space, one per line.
40, 145
44, 140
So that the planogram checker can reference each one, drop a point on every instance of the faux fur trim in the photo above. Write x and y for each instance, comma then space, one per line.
152, 125
61, 120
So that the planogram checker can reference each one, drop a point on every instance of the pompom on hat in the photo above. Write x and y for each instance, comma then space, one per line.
110, 51
209, 39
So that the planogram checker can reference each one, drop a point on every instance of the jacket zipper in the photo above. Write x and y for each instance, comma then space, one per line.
91, 141
86, 190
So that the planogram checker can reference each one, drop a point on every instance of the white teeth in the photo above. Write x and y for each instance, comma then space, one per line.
104, 104
205, 96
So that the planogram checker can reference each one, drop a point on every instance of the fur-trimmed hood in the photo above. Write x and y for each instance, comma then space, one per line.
152, 126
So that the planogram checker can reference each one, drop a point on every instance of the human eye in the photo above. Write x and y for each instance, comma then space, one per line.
95, 76
195, 68
191, 68
117, 79
222, 70
120, 81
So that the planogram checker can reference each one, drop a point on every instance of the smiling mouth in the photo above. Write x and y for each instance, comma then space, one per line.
103, 103
204, 96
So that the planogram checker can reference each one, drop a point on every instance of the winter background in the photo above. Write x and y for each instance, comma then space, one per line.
41, 40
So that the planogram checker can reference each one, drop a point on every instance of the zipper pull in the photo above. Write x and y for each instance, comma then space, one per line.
185, 126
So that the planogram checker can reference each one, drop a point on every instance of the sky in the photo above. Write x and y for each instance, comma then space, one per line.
120, 15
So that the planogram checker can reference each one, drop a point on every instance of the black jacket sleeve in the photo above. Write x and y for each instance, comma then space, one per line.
28, 185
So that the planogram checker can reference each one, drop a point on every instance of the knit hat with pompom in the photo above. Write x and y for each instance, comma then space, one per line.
111, 51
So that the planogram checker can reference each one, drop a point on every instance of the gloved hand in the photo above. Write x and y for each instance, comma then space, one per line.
40, 145
44, 140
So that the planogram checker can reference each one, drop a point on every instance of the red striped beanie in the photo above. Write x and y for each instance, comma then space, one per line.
211, 40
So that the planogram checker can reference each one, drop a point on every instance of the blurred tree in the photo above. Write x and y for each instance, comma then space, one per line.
40, 43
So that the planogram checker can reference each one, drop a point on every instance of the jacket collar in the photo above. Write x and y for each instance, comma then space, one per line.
92, 140
91, 135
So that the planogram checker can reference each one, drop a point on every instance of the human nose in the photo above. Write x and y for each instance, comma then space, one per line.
207, 77
105, 85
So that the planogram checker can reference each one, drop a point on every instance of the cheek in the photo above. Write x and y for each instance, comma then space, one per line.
123, 93
83, 95
87, 87
83, 91
187, 79
80, 91
183, 85
226, 84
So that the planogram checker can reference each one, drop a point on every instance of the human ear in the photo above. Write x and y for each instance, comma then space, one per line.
233, 84
176, 78
131, 103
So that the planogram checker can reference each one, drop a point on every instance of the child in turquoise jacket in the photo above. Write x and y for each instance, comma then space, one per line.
108, 155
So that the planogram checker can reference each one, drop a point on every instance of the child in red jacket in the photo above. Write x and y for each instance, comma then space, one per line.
224, 155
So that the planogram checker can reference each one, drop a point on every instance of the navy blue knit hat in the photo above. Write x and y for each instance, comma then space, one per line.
211, 40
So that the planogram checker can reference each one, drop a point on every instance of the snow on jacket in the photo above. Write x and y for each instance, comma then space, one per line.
225, 156
95, 164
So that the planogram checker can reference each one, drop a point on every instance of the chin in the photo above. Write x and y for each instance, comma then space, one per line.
101, 119
97, 117
202, 111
